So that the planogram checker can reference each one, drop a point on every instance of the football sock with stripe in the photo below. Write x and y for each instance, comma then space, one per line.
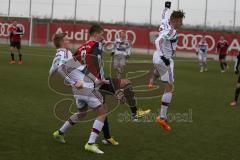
166, 100
97, 127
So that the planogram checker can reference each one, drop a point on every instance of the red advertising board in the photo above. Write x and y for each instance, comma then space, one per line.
141, 37
4, 25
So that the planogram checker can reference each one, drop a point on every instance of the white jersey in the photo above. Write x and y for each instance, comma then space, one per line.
166, 43
69, 68
122, 47
202, 47
164, 24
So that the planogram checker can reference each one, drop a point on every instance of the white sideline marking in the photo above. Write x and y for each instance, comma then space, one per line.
141, 74
129, 61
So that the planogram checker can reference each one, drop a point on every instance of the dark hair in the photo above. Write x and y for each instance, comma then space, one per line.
58, 38
96, 28
168, 4
177, 14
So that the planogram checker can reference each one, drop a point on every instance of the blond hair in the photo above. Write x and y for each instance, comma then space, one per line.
58, 38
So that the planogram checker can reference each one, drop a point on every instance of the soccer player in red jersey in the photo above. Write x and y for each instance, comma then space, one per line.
15, 33
90, 54
222, 50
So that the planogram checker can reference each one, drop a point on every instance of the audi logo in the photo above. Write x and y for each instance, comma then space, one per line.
4, 29
187, 41
112, 34
190, 41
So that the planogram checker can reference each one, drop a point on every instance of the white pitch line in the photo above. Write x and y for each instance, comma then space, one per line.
129, 61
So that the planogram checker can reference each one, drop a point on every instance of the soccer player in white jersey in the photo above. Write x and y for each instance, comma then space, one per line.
166, 45
84, 92
121, 51
164, 24
202, 49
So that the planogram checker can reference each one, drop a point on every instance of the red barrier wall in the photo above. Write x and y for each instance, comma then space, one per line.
141, 37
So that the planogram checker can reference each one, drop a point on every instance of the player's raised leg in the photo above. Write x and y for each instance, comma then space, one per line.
126, 95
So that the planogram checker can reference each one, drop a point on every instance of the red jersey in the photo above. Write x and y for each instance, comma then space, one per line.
90, 54
222, 47
15, 33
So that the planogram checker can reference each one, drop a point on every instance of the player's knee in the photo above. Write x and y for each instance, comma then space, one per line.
102, 111
125, 82
82, 113
75, 118
169, 88
155, 73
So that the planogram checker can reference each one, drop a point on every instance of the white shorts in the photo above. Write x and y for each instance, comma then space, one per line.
93, 100
202, 57
119, 60
166, 72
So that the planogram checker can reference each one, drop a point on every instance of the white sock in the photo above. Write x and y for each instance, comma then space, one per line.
65, 126
163, 112
97, 127
166, 100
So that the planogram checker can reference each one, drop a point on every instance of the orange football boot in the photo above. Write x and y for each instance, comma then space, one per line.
20, 62
163, 123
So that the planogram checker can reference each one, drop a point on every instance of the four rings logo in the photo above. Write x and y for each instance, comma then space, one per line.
187, 41
4, 28
190, 41
112, 34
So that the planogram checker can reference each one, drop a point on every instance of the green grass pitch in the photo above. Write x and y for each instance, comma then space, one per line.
210, 132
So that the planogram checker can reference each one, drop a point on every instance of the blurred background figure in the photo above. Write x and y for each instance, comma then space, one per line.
222, 50
202, 49
15, 32
121, 51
